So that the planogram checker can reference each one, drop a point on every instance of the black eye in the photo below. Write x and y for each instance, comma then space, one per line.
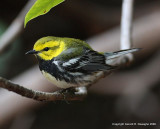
46, 49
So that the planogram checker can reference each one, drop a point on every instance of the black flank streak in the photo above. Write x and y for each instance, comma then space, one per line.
52, 69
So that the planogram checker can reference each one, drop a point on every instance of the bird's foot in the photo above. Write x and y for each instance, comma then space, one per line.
68, 92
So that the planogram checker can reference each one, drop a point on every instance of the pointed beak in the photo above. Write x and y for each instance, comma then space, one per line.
31, 52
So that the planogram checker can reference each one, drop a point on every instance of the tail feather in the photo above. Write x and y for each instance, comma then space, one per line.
116, 54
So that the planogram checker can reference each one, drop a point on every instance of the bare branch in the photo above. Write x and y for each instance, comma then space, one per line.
15, 28
77, 94
126, 29
126, 24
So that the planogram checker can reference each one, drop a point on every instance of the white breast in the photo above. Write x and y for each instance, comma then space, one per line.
84, 81
58, 83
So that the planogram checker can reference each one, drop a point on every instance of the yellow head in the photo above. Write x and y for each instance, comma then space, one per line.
48, 47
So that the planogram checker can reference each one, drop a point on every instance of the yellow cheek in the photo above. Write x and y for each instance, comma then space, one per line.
38, 46
48, 55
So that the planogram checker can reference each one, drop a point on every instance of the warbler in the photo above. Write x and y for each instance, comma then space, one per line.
69, 62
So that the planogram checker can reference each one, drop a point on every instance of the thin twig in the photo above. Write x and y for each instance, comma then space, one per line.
126, 27
15, 28
126, 24
125, 43
78, 94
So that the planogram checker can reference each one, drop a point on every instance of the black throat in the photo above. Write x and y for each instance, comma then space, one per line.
51, 68
47, 66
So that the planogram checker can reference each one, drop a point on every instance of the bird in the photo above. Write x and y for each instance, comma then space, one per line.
70, 62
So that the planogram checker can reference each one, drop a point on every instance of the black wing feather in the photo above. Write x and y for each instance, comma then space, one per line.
90, 61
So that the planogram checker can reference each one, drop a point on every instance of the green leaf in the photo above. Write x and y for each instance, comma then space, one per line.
40, 7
